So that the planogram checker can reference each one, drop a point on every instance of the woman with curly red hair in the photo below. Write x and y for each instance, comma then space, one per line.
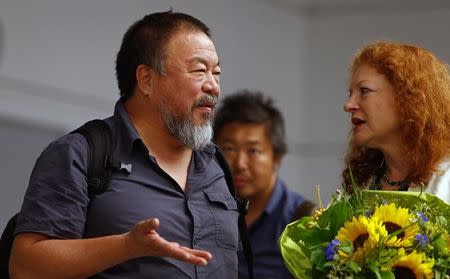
399, 104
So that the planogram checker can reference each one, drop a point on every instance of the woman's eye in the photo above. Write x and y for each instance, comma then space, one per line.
364, 90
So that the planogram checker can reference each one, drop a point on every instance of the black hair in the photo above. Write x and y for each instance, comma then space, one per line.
144, 44
247, 106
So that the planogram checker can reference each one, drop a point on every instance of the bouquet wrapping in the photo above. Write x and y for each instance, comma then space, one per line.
371, 234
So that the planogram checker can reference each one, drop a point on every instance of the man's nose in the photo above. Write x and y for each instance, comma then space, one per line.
241, 160
211, 85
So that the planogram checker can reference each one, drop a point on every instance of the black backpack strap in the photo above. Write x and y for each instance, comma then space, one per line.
242, 207
99, 137
306, 208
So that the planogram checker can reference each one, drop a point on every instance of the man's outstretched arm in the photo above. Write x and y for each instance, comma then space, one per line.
38, 256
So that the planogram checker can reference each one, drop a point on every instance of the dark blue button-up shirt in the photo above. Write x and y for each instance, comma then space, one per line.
264, 234
204, 216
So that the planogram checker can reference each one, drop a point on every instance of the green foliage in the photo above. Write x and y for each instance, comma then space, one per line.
304, 242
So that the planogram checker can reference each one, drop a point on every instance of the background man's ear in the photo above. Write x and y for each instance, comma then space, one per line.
144, 79
278, 159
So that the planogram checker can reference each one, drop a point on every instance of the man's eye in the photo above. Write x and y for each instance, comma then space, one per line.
227, 149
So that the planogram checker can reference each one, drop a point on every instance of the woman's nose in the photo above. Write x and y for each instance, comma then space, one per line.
351, 104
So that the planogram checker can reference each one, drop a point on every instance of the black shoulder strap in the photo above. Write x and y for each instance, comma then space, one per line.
306, 208
99, 137
242, 207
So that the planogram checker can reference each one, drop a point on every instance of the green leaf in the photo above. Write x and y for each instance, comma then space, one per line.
354, 266
346, 247
386, 275
305, 230
295, 254
339, 214
374, 268
318, 257
298, 228
441, 221
440, 245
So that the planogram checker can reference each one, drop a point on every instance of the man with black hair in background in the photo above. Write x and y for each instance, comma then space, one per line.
250, 131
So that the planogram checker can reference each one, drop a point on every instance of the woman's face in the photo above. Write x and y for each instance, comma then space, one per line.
373, 109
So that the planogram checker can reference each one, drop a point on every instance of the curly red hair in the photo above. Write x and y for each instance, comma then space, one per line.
422, 84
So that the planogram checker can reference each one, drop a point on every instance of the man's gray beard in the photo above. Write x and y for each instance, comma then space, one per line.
191, 135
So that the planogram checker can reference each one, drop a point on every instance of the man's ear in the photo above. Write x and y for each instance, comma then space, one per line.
277, 161
144, 77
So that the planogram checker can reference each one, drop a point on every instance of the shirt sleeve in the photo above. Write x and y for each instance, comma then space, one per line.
56, 200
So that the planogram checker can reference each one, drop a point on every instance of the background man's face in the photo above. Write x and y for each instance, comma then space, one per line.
250, 155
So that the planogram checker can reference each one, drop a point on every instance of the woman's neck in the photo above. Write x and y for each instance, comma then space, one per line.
396, 167
396, 170
395, 163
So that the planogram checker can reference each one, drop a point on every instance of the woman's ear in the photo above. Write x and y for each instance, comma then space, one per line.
144, 75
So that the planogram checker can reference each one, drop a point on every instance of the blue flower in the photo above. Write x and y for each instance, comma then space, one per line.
422, 240
422, 217
368, 213
331, 249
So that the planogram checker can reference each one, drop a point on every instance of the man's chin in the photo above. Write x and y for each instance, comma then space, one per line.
202, 123
243, 194
200, 117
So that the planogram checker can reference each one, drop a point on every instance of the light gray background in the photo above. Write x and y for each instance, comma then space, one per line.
57, 69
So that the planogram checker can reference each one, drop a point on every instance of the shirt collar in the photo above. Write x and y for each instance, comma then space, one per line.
127, 133
275, 198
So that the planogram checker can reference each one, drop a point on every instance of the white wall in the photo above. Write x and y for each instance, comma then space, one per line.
57, 68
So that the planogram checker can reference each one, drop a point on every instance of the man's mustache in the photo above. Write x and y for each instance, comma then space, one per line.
207, 100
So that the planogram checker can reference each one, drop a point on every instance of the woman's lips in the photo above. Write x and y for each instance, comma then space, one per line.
357, 121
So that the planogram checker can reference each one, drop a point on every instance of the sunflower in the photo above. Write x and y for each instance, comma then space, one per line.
363, 233
412, 266
394, 219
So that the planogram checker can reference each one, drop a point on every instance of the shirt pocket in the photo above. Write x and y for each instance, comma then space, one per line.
225, 214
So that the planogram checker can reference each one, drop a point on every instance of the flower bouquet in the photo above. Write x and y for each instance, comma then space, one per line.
371, 234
